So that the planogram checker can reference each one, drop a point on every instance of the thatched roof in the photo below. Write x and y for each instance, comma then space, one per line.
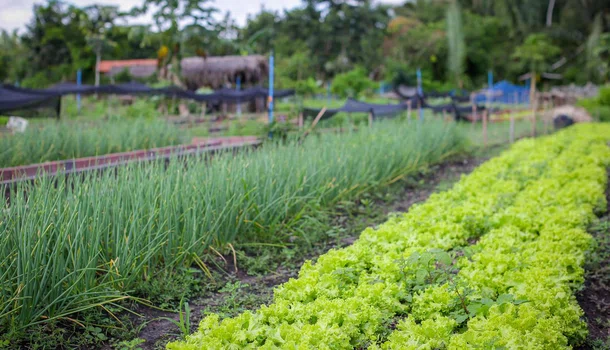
216, 72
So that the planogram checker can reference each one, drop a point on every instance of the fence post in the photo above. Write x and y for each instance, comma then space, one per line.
270, 97
420, 94
511, 131
485, 128
533, 105
79, 78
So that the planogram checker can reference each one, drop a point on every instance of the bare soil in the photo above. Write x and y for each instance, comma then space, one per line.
594, 298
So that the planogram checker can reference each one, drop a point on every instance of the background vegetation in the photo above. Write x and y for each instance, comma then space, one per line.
455, 42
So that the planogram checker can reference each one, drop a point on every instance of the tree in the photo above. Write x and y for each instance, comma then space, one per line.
96, 21
535, 53
56, 46
12, 65
168, 16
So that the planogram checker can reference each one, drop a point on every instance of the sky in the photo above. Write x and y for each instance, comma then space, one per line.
15, 14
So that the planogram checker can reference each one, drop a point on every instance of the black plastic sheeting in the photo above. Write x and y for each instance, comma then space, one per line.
353, 106
389, 110
13, 98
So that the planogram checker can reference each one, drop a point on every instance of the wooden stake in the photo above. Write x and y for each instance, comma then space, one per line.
409, 111
204, 107
313, 125
301, 120
474, 108
534, 102
511, 132
370, 119
485, 128
545, 115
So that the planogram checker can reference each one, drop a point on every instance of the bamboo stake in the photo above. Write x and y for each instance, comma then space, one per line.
313, 125
545, 115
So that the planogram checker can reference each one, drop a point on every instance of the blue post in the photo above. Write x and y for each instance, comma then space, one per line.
79, 78
238, 88
420, 93
17, 83
271, 88
490, 82
328, 92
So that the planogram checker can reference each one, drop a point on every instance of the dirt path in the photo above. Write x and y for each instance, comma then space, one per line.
595, 296
242, 291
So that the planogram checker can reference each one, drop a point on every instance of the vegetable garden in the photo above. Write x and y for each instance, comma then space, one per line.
82, 242
493, 262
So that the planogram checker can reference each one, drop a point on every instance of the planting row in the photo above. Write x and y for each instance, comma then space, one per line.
74, 243
527, 208
59, 141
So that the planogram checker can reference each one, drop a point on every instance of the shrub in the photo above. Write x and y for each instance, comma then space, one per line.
598, 107
352, 84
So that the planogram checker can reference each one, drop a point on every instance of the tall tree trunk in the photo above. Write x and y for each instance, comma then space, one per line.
549, 13
98, 59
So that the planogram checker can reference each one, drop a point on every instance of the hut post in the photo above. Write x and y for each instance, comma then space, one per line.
238, 88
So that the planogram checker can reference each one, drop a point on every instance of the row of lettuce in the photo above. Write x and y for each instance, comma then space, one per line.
492, 263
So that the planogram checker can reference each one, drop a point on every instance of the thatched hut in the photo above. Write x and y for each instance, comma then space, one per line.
219, 71
138, 68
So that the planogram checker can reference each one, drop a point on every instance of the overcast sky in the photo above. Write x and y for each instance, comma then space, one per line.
16, 13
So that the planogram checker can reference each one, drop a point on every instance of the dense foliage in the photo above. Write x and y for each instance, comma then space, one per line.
527, 211
451, 41
82, 242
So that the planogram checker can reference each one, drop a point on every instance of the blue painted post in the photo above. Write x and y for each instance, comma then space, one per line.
238, 88
328, 92
17, 83
79, 79
271, 62
420, 93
